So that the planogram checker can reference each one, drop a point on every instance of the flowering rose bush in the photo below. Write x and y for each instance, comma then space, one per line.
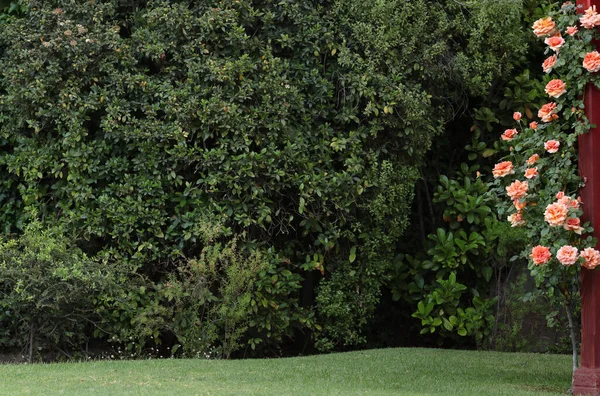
546, 202
544, 199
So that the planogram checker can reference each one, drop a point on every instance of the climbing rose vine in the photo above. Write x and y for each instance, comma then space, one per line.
538, 176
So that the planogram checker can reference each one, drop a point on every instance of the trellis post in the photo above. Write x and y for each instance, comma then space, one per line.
586, 379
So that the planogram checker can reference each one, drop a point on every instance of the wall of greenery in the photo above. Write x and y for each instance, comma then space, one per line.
245, 168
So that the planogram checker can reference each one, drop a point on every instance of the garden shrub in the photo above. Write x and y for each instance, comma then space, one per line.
48, 288
226, 299
451, 283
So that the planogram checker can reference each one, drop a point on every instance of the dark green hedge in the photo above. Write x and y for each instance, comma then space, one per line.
297, 125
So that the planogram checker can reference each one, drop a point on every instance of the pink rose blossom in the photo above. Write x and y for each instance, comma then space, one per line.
530, 173
567, 255
591, 61
573, 224
503, 169
591, 258
589, 20
509, 134
516, 219
540, 255
519, 205
544, 27
548, 112
533, 159
556, 214
552, 146
549, 64
569, 202
517, 190
555, 42
555, 88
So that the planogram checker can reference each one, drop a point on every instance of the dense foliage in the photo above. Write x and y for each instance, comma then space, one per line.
294, 128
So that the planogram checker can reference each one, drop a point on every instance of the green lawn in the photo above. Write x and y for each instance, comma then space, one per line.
386, 371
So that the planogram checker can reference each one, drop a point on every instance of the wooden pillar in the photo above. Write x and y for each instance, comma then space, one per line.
586, 380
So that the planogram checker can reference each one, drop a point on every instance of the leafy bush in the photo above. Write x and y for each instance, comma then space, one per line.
227, 299
451, 282
47, 292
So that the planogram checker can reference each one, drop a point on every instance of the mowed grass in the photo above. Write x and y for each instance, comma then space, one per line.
375, 372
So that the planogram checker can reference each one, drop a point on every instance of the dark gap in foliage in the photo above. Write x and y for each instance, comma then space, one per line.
92, 245
129, 6
153, 68
125, 31
92, 124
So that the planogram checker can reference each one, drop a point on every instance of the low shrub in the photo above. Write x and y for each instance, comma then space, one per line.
48, 288
228, 298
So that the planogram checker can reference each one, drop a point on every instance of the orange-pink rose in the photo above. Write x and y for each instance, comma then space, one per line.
516, 220
591, 258
533, 159
502, 169
519, 205
572, 30
567, 255
540, 255
555, 88
530, 173
591, 61
544, 27
569, 202
517, 116
555, 42
509, 134
560, 194
552, 146
549, 64
533, 125
590, 19
556, 214
573, 224
548, 112
517, 189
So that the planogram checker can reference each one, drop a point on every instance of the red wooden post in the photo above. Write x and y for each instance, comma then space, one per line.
587, 377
